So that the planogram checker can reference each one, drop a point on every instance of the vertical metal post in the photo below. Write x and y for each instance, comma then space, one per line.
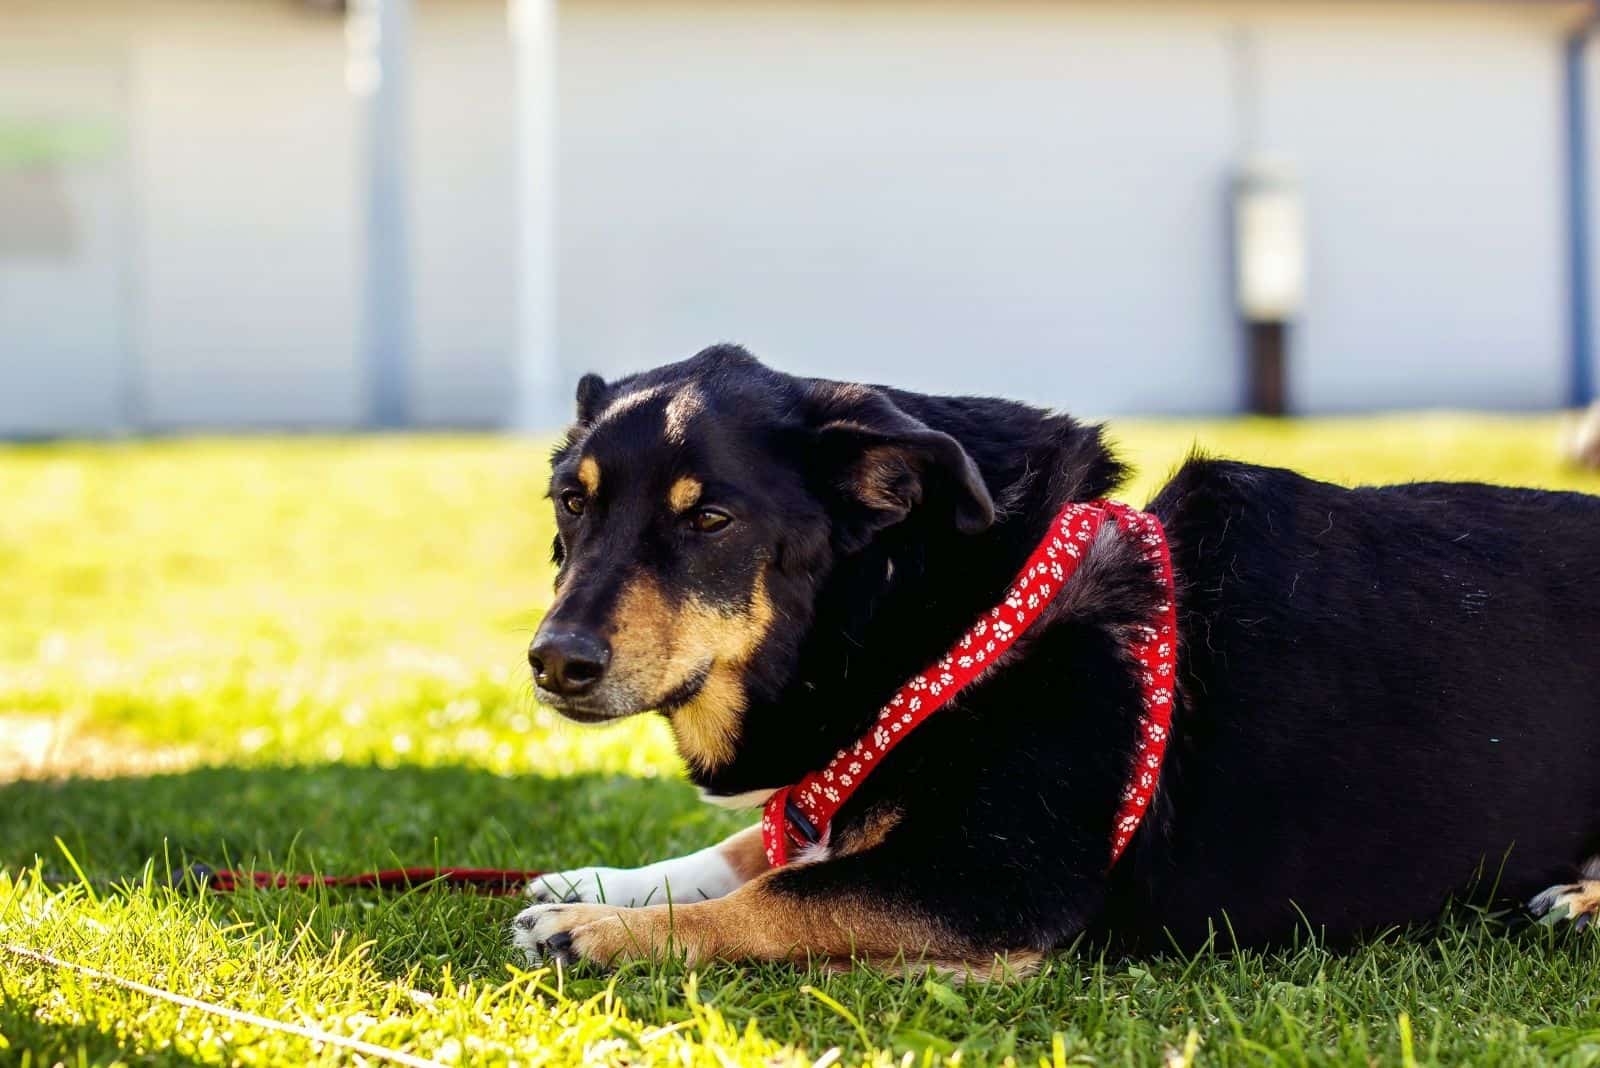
1269, 375
379, 75
538, 404
1581, 386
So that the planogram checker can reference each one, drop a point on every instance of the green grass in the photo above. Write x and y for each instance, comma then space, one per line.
309, 654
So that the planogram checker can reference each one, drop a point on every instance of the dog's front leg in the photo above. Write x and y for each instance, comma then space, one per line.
825, 910
707, 873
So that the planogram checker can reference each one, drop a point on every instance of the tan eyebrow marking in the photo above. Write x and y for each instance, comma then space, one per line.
684, 406
589, 475
684, 493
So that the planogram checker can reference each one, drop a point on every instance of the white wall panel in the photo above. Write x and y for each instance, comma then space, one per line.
65, 229
1431, 152
1022, 199
465, 239
247, 260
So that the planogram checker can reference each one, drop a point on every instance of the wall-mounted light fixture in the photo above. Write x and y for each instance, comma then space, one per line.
1269, 243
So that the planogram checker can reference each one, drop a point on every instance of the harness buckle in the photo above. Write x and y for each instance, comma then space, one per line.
801, 831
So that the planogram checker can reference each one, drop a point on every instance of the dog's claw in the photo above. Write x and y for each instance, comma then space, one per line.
538, 932
559, 947
1552, 915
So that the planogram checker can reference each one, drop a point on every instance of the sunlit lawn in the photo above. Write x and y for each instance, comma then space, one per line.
309, 654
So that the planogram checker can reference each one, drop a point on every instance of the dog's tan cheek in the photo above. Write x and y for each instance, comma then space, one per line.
643, 641
708, 727
656, 648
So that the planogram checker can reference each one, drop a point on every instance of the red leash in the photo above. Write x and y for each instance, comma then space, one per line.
800, 815
497, 881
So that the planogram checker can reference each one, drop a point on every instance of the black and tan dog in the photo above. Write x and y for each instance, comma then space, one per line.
1382, 693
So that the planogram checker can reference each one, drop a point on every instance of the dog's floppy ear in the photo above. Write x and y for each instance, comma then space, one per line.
592, 391
878, 464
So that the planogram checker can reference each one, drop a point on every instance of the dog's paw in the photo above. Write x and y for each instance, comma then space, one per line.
595, 886
1578, 902
568, 933
696, 877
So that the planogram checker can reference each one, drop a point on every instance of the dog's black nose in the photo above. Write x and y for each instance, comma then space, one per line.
568, 662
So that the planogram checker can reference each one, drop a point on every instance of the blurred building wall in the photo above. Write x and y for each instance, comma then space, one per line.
1023, 197
243, 141
217, 256
65, 233
1031, 198
1433, 165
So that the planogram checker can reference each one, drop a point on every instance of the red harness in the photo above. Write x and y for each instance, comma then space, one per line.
800, 815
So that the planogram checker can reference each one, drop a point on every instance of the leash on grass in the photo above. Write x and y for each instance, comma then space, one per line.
497, 882
311, 1034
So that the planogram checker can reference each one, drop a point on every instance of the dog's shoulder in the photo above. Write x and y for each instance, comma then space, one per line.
1209, 503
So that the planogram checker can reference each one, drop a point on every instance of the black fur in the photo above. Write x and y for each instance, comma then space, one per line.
1382, 691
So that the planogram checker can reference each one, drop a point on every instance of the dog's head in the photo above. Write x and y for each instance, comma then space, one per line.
699, 509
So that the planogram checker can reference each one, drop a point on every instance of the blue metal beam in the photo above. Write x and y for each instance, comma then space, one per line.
1581, 384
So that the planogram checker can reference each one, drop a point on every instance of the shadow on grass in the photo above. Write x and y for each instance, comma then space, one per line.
341, 819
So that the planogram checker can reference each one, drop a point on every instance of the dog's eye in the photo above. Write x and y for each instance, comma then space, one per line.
709, 520
574, 502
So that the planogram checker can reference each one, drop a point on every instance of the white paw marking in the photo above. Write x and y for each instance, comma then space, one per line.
630, 887
696, 877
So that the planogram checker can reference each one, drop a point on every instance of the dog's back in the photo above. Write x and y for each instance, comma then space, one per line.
1401, 683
